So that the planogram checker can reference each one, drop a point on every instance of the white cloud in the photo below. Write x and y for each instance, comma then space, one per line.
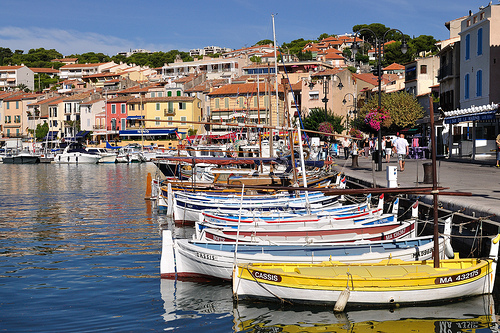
65, 41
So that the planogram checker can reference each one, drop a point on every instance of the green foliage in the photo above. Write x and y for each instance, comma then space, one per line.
264, 42
304, 56
43, 81
41, 131
256, 59
323, 36
402, 106
34, 58
317, 116
295, 46
352, 69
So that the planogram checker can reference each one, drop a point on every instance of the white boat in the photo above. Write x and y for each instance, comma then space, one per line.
388, 282
75, 153
106, 156
190, 258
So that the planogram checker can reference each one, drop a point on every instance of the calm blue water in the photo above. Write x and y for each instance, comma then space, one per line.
80, 252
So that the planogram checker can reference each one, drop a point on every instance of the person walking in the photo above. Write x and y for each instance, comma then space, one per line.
345, 145
401, 148
388, 149
498, 150
366, 147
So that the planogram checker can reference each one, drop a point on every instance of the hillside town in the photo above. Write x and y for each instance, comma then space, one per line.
124, 102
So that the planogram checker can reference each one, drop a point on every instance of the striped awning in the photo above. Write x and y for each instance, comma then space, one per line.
474, 113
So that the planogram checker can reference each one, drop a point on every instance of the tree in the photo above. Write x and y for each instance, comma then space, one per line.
264, 42
5, 53
402, 106
317, 116
41, 131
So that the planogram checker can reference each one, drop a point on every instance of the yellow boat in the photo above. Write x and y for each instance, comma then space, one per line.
386, 282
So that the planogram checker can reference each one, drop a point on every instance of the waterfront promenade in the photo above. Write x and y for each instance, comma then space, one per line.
482, 179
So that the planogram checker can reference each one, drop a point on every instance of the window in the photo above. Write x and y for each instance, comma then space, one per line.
182, 106
467, 47
178, 92
423, 69
17, 119
226, 103
479, 83
255, 102
216, 103
123, 123
170, 107
468, 23
480, 41
474, 20
466, 86
124, 109
170, 118
481, 16
183, 119
153, 94
314, 95
7, 119
157, 106
131, 107
7, 105
159, 94
17, 104
113, 108
241, 102
157, 123
169, 93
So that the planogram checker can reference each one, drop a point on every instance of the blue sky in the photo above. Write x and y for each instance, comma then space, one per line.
110, 26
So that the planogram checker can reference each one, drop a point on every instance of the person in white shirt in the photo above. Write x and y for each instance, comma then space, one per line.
400, 147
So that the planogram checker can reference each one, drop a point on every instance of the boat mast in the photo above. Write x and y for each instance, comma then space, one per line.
276, 75
435, 190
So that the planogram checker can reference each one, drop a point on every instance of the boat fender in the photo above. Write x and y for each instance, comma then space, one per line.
343, 297
448, 249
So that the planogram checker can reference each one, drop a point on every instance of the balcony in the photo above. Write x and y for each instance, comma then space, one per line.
168, 112
444, 72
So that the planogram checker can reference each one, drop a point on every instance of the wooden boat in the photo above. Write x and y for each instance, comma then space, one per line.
190, 258
385, 283
186, 209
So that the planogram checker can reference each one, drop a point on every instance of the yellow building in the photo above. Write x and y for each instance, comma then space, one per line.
164, 115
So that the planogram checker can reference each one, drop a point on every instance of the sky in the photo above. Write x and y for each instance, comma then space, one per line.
112, 26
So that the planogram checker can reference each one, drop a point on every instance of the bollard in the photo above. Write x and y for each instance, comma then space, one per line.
428, 173
355, 161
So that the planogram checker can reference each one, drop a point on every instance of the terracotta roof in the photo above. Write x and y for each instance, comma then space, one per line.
78, 97
120, 99
48, 100
44, 70
82, 65
241, 88
6, 68
394, 66
100, 75
22, 96
331, 71
162, 99
366, 77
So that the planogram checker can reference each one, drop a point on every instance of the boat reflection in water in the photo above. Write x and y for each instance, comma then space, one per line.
471, 315
212, 302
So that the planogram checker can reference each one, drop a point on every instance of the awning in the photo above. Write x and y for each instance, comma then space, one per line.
134, 117
81, 134
139, 132
51, 135
474, 113
227, 136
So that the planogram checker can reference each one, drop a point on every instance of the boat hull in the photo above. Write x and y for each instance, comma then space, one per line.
77, 158
388, 282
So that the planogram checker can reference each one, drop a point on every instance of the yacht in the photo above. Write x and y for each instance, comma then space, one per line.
75, 153
106, 155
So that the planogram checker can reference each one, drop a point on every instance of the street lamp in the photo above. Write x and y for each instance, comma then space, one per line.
355, 105
379, 48
325, 91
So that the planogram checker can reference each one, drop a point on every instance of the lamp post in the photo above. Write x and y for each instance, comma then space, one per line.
326, 80
379, 48
355, 105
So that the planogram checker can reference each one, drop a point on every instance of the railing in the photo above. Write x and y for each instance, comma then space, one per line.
445, 71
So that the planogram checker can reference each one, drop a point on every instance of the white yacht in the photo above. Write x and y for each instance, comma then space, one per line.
75, 153
106, 155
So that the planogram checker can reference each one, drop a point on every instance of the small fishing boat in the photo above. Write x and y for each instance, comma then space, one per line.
387, 282
191, 258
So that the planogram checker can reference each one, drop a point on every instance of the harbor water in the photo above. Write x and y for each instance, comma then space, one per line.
80, 252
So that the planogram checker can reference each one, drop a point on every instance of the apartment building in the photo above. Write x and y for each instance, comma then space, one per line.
13, 76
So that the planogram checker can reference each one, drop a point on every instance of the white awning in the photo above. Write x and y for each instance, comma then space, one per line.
474, 113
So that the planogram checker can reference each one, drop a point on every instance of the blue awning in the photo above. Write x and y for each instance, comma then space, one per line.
51, 135
81, 134
149, 132
134, 117
471, 117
